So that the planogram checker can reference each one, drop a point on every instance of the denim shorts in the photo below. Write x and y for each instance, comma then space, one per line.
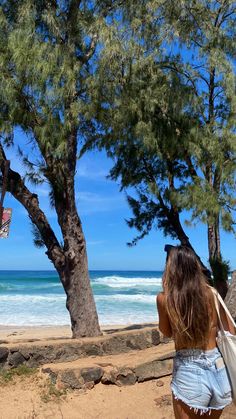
200, 380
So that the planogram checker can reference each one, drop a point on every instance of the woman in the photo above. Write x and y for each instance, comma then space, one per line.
200, 384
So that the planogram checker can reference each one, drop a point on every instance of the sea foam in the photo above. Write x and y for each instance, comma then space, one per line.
37, 298
120, 281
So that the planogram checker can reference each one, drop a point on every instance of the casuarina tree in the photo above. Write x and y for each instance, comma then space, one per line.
47, 55
167, 116
204, 32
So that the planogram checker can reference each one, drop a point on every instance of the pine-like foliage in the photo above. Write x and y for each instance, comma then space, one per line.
205, 34
48, 51
167, 82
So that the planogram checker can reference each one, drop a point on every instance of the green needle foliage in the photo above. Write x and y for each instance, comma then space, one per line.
205, 31
48, 52
152, 82
167, 116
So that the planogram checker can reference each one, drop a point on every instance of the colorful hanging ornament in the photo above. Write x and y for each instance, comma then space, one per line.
5, 213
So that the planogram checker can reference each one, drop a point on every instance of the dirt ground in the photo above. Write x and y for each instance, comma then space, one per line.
33, 396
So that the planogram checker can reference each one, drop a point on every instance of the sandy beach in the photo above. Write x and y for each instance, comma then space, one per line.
33, 333
13, 334
33, 396
30, 333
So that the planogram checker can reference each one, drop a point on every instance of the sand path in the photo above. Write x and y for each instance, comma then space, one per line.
32, 397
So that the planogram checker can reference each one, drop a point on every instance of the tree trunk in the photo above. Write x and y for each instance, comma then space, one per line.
80, 301
213, 233
218, 266
70, 260
174, 219
75, 279
172, 215
230, 299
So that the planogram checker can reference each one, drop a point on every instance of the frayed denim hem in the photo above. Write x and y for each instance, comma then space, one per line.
196, 409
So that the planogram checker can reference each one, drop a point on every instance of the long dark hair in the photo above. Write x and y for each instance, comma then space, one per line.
188, 298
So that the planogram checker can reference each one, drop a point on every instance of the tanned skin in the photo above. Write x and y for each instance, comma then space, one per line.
181, 410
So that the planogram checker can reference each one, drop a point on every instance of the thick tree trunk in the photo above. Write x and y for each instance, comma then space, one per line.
70, 260
75, 279
80, 301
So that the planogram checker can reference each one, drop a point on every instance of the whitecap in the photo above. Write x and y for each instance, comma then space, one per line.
135, 298
120, 281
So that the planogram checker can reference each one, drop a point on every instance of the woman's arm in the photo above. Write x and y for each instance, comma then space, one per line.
164, 323
227, 323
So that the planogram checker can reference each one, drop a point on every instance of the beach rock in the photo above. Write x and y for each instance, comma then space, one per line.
25, 353
139, 342
109, 376
125, 377
15, 359
118, 370
155, 337
114, 345
131, 340
35, 360
119, 376
69, 351
146, 339
71, 379
43, 354
64, 350
155, 369
93, 374
78, 379
92, 349
3, 354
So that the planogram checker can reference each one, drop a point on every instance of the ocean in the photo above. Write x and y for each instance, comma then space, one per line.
36, 298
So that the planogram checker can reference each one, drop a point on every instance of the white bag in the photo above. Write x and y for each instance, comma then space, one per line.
226, 343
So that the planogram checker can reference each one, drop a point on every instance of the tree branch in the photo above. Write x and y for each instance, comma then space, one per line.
190, 165
90, 50
21, 193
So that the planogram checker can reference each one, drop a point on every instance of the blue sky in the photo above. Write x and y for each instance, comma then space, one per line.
103, 210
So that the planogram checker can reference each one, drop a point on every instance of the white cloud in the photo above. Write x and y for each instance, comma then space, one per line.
90, 202
95, 242
84, 171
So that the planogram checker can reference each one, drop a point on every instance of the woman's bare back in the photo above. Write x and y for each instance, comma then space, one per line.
166, 328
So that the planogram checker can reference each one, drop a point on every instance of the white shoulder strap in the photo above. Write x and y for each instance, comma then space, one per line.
218, 300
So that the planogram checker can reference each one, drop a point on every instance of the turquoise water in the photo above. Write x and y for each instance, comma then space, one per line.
37, 297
